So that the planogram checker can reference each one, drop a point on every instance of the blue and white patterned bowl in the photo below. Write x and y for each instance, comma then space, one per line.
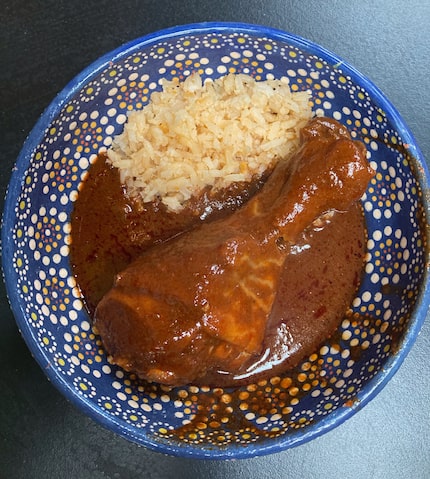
329, 385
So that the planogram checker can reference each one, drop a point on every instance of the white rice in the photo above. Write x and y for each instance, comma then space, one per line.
192, 135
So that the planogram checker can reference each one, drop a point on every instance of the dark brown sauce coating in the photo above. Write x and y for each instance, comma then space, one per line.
318, 283
109, 230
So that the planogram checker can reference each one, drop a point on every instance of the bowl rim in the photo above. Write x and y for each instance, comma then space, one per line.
332, 420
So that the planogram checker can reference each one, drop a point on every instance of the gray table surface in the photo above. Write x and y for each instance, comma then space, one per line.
43, 45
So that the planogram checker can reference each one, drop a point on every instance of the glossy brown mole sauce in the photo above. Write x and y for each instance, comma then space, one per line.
319, 279
109, 229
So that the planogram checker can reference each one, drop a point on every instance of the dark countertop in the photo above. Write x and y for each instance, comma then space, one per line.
43, 45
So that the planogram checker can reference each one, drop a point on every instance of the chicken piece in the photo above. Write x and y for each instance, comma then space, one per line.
199, 302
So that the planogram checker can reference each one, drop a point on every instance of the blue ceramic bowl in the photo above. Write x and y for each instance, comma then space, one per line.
273, 415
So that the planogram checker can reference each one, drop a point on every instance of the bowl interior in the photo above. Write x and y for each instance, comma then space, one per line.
273, 414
